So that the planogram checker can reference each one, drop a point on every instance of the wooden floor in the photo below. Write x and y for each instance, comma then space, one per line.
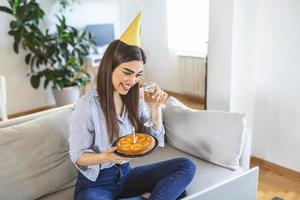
275, 184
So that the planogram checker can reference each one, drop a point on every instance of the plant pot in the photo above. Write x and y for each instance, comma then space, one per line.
67, 96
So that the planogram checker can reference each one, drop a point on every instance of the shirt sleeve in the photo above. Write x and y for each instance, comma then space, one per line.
81, 136
144, 116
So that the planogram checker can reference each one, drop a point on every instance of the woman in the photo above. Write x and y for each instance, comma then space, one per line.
110, 111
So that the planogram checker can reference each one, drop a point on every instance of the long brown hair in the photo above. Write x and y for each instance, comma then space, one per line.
117, 53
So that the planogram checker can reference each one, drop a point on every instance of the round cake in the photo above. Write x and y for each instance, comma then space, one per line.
143, 144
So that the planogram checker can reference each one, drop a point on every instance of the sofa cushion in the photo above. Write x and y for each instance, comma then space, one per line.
215, 136
34, 157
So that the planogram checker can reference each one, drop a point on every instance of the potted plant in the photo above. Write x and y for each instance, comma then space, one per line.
55, 58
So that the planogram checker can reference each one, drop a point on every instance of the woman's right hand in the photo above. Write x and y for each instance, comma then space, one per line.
112, 157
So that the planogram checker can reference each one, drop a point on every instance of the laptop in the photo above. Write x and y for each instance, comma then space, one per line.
240, 187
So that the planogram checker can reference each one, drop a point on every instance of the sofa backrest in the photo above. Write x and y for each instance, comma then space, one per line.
34, 158
19, 120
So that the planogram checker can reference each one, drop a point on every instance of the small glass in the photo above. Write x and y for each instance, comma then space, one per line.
149, 88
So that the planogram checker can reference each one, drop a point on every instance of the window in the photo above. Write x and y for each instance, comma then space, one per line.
188, 26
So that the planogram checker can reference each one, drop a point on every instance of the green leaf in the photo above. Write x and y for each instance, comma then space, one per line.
15, 5
90, 35
27, 58
79, 82
37, 63
35, 81
46, 84
11, 32
58, 86
81, 60
74, 31
32, 62
16, 47
6, 10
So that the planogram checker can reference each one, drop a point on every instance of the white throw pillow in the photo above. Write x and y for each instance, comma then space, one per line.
214, 136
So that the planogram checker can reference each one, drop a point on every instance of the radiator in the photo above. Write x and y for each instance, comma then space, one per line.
192, 75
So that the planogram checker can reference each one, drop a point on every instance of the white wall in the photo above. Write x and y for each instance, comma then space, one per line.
162, 65
219, 54
244, 57
21, 96
277, 108
264, 72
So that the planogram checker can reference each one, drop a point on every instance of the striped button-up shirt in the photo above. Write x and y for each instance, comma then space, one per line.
88, 133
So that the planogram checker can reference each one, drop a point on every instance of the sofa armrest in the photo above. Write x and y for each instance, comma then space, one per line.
246, 153
22, 119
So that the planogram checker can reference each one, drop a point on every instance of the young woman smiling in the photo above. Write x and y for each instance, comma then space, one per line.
108, 111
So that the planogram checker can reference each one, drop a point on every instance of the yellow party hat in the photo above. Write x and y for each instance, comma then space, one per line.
132, 35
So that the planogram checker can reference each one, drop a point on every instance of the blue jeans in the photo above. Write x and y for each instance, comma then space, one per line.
165, 180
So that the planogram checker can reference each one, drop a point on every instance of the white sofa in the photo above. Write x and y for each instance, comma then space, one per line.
34, 160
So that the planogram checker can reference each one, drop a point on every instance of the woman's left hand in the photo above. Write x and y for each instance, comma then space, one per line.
159, 95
